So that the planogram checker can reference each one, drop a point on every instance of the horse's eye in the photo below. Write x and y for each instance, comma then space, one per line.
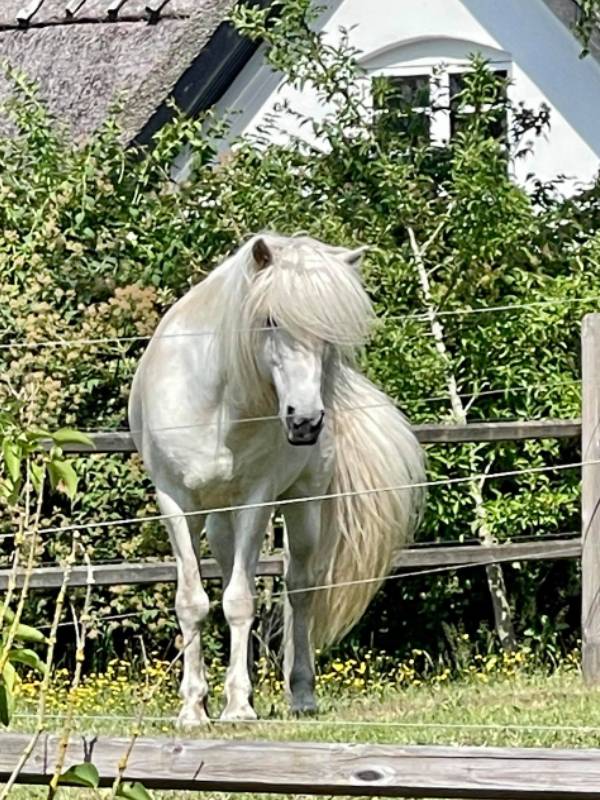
271, 322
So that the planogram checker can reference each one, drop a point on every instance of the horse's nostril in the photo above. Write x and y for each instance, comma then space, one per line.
315, 426
289, 412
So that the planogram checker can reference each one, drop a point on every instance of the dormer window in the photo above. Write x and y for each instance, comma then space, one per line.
424, 106
403, 105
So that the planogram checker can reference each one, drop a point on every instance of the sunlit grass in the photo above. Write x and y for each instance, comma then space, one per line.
495, 699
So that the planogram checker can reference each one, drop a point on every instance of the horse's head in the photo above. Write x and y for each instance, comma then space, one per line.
295, 353
296, 370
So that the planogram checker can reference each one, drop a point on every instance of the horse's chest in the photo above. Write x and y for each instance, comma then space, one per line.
270, 462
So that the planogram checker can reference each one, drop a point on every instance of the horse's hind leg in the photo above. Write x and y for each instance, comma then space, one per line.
191, 605
236, 544
303, 523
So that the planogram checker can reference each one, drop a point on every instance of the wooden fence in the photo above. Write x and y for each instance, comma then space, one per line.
121, 442
368, 770
425, 558
320, 768
417, 558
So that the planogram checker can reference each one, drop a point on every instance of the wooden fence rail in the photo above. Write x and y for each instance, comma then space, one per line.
331, 769
367, 770
121, 441
132, 572
588, 548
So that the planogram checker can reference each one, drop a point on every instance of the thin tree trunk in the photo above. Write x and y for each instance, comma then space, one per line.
495, 575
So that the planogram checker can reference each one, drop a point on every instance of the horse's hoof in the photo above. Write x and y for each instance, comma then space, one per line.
240, 714
192, 717
304, 708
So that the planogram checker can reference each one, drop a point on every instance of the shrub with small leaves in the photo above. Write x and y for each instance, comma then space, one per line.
96, 243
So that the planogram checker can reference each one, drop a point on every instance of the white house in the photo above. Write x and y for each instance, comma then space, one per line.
157, 50
531, 41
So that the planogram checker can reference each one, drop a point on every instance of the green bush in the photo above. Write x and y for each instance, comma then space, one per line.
96, 242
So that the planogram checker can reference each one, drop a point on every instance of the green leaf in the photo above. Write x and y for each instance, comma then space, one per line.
28, 657
9, 676
34, 434
37, 476
9, 616
63, 477
84, 774
70, 436
12, 459
133, 791
7, 701
25, 633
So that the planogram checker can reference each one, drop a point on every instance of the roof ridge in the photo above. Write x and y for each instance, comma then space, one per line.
26, 16
63, 23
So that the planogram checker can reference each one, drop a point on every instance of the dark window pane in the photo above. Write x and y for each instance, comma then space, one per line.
497, 124
459, 116
458, 83
412, 91
403, 105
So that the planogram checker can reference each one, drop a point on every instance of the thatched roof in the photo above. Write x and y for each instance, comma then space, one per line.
86, 53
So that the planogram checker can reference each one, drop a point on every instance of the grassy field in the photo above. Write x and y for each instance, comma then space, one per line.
496, 701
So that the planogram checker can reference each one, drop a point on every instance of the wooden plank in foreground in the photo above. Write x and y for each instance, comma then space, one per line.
121, 441
333, 769
124, 572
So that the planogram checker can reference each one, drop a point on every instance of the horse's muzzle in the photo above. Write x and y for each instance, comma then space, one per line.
303, 430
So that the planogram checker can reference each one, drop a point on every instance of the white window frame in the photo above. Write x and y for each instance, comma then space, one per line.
439, 71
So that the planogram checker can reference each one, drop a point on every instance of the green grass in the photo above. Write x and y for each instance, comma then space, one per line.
479, 710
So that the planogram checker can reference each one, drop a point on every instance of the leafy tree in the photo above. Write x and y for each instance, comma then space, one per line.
588, 21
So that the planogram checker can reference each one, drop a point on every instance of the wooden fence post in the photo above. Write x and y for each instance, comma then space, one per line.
590, 499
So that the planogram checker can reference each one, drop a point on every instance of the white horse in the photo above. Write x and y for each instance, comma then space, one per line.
247, 396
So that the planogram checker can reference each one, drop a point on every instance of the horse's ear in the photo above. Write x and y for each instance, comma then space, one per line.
354, 257
261, 253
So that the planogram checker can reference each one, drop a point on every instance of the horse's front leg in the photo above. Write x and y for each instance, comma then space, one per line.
236, 544
191, 606
303, 523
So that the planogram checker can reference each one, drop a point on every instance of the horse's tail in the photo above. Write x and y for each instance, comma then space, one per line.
363, 528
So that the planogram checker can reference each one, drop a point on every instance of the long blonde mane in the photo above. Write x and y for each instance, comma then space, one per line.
308, 289
311, 290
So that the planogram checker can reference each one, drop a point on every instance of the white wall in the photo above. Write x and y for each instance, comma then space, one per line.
396, 35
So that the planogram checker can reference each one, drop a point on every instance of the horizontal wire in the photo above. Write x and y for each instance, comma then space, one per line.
507, 307
508, 559
396, 403
544, 537
421, 317
484, 726
300, 500
341, 584
112, 339
127, 339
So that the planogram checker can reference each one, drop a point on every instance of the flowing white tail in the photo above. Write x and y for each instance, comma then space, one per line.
375, 449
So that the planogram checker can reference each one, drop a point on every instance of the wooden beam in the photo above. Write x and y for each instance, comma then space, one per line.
590, 499
124, 573
319, 768
498, 431
25, 14
121, 441
425, 557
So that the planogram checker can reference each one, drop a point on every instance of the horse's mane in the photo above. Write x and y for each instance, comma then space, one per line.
308, 289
